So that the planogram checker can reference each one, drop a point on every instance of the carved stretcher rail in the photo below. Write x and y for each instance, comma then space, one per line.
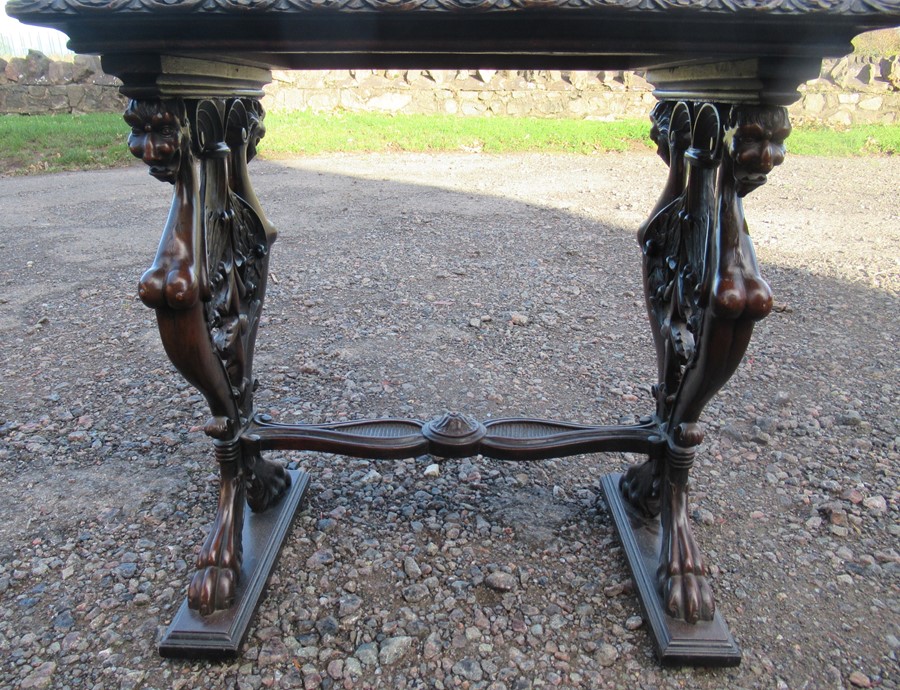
455, 436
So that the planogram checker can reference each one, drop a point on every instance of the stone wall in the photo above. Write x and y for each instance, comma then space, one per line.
36, 84
532, 93
851, 90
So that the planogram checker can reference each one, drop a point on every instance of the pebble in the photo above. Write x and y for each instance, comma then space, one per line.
352, 668
432, 471
850, 418
394, 648
411, 568
348, 605
606, 654
500, 581
634, 622
41, 677
320, 559
367, 654
469, 669
415, 592
336, 669
860, 680
876, 504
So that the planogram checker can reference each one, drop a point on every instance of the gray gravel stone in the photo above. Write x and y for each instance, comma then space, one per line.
469, 669
500, 581
394, 648
367, 654
606, 654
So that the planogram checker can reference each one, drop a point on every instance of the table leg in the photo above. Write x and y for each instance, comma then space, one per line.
704, 293
207, 286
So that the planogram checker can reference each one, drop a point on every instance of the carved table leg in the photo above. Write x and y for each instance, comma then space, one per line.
207, 286
704, 294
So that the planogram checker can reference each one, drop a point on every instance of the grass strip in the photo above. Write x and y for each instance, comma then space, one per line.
301, 133
54, 143
860, 140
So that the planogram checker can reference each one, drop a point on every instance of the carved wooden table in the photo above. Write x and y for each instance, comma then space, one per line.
722, 70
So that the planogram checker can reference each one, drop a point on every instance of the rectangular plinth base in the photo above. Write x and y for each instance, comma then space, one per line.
221, 634
706, 643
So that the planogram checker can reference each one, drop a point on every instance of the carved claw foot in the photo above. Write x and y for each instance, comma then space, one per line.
681, 575
268, 483
640, 487
214, 585
212, 589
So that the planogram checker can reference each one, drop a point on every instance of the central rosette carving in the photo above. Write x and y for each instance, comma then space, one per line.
454, 435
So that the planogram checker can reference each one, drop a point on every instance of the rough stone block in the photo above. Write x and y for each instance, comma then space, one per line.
60, 72
580, 79
15, 69
338, 78
814, 102
57, 99
486, 75
389, 102
470, 109
841, 118
36, 66
636, 82
84, 67
892, 75
352, 100
872, 104
77, 103
323, 101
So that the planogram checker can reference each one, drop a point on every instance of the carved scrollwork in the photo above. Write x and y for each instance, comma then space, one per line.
741, 7
237, 246
701, 278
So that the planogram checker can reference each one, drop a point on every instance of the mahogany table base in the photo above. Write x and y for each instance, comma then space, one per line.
221, 635
703, 293
705, 643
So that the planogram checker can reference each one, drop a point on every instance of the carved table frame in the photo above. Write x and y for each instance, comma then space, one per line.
723, 71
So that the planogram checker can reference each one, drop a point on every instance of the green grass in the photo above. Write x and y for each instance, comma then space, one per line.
52, 143
307, 133
853, 141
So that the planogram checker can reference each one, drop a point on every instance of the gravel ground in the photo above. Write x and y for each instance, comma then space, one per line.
406, 285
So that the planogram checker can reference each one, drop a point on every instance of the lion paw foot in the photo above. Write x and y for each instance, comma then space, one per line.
214, 584
681, 576
640, 486
212, 589
269, 481
688, 597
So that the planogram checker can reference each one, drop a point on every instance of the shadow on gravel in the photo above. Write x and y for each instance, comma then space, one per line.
406, 286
